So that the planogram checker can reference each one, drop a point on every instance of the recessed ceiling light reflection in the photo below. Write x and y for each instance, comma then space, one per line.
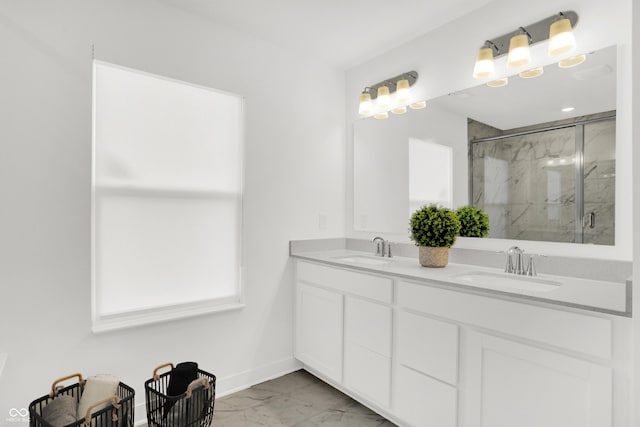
568, 109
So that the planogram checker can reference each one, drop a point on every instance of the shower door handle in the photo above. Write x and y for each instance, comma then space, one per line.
592, 219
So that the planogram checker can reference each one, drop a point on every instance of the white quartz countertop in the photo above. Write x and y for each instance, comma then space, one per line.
595, 295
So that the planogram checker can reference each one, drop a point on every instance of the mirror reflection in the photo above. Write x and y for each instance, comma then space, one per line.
538, 155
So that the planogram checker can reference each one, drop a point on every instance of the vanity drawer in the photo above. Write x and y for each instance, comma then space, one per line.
583, 333
429, 346
364, 285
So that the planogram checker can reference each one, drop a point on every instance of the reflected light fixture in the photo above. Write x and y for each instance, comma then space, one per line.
532, 73
572, 61
561, 38
390, 95
418, 105
557, 29
499, 82
519, 52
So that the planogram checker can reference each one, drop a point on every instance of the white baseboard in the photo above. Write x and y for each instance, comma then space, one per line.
237, 382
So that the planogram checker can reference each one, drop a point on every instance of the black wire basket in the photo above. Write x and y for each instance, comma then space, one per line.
118, 413
193, 408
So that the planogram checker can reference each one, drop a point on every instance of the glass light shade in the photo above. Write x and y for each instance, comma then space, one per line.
572, 62
384, 97
532, 73
366, 105
418, 105
403, 93
561, 38
498, 82
381, 115
399, 110
519, 53
484, 67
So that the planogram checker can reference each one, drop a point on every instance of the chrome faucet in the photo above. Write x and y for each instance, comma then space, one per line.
381, 247
514, 266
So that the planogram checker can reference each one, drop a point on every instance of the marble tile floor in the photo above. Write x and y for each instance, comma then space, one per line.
297, 399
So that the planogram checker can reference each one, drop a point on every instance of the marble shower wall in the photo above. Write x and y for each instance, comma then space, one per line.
526, 184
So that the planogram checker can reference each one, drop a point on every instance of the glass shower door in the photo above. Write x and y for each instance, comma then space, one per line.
599, 182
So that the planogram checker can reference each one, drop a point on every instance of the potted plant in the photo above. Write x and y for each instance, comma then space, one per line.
474, 222
434, 230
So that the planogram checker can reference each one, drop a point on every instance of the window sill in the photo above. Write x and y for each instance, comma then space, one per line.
158, 315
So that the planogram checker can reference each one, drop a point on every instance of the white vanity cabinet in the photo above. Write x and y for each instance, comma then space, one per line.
343, 327
426, 371
319, 321
519, 364
426, 355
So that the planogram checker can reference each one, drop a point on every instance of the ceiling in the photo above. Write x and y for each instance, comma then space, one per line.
343, 33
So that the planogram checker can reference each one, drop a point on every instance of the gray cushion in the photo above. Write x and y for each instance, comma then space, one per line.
61, 411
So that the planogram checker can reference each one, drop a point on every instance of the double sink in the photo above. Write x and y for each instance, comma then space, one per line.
487, 279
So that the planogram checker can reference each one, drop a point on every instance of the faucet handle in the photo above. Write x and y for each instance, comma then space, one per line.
509, 267
531, 266
387, 249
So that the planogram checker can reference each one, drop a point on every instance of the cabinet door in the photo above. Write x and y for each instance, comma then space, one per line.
511, 384
319, 320
423, 401
367, 352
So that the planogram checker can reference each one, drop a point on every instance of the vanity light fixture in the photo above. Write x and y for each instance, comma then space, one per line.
519, 52
558, 29
485, 66
561, 38
379, 99
403, 93
384, 97
366, 104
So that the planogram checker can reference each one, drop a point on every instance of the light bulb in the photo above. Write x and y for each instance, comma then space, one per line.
366, 105
561, 38
519, 53
384, 98
484, 67
403, 93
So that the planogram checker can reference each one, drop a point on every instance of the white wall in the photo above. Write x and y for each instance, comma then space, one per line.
635, 94
444, 60
295, 166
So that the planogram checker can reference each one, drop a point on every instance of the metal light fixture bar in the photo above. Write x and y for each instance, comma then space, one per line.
537, 32
411, 76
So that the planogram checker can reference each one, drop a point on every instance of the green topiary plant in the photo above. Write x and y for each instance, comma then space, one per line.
474, 222
434, 226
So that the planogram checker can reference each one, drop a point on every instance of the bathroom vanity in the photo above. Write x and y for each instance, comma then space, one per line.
464, 346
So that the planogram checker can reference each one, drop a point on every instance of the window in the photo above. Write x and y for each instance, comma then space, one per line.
167, 198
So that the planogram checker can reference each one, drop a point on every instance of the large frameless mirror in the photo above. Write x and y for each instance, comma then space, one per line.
538, 155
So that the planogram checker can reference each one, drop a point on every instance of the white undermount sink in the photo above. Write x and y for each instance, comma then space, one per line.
365, 260
510, 281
